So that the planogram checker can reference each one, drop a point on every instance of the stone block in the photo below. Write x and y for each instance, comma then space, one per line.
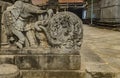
49, 62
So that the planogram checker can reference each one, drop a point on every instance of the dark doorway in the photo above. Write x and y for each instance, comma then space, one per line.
77, 11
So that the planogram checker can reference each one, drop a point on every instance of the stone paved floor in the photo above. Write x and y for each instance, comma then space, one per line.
101, 46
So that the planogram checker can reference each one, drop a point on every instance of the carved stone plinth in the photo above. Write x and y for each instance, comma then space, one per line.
44, 61
51, 49
46, 65
31, 69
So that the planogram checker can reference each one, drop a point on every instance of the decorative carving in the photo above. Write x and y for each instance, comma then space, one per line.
66, 28
40, 42
17, 21
62, 30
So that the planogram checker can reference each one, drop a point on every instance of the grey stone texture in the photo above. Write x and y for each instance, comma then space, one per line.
4, 5
110, 10
108, 3
58, 38
110, 14
16, 20
53, 74
99, 70
98, 59
62, 35
105, 10
9, 71
49, 62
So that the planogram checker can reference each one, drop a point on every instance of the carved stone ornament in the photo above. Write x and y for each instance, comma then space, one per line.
65, 29
62, 30
36, 42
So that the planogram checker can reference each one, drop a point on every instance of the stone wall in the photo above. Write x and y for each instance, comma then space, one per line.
110, 11
105, 10
108, 3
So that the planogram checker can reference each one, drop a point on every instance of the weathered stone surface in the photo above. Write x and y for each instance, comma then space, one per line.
9, 71
110, 14
27, 62
43, 62
9, 59
46, 48
106, 3
38, 51
49, 62
53, 74
100, 70
4, 5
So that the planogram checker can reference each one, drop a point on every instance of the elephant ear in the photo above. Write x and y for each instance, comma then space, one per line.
66, 27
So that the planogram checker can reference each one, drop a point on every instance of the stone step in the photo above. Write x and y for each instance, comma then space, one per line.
53, 74
101, 70
93, 70
44, 62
